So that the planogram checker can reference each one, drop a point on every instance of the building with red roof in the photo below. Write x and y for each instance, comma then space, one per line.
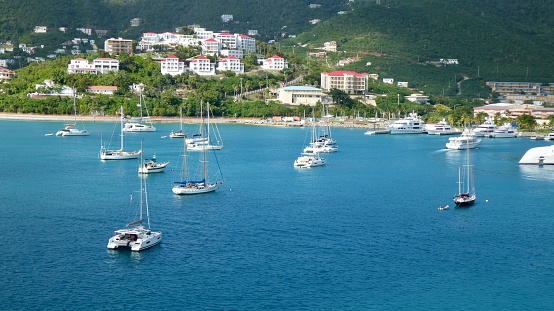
348, 81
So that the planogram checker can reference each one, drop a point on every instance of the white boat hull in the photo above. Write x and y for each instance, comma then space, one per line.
144, 240
201, 147
308, 161
140, 129
187, 189
538, 156
119, 155
156, 168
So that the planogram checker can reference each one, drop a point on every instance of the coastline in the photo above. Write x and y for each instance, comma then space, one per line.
188, 120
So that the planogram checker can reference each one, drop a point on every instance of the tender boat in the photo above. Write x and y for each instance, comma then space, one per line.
485, 129
505, 131
466, 141
411, 124
152, 166
137, 236
538, 156
444, 207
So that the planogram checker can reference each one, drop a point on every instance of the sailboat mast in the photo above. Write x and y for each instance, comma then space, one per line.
185, 159
180, 119
121, 121
204, 145
468, 171
74, 107
208, 113
142, 181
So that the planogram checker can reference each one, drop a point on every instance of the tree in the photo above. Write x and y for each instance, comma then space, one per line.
526, 121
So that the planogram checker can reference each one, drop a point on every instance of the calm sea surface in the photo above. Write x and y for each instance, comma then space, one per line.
362, 233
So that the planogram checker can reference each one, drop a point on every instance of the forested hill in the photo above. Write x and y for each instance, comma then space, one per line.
269, 17
492, 39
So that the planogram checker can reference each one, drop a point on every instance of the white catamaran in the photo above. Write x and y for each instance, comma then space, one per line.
135, 235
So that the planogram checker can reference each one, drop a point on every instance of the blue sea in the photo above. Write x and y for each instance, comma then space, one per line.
361, 233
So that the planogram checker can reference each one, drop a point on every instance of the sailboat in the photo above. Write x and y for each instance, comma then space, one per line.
205, 142
120, 154
180, 133
71, 129
188, 186
310, 157
138, 124
135, 235
467, 197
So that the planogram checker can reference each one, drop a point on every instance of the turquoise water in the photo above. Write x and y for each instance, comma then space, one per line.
361, 233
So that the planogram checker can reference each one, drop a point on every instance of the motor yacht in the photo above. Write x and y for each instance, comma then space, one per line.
411, 124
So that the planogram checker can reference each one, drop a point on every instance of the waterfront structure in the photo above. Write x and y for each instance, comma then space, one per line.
347, 81
231, 63
118, 46
300, 95
172, 65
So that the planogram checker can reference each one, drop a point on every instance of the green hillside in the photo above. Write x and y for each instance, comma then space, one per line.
493, 40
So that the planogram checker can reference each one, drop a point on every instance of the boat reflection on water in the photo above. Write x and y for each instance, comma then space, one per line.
536, 172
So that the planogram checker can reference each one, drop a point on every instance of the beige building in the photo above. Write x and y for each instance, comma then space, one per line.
6, 74
513, 110
347, 81
300, 95
118, 46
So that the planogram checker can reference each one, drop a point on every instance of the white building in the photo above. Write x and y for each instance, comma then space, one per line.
6, 74
100, 89
210, 46
402, 84
418, 98
202, 66
347, 81
231, 63
98, 66
300, 95
275, 62
226, 18
235, 53
172, 65
40, 29
118, 46
388, 80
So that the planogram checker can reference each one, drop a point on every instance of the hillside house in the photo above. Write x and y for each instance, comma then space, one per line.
100, 89
275, 62
172, 65
6, 74
231, 63
202, 66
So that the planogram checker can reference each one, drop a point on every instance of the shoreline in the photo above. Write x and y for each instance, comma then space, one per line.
188, 120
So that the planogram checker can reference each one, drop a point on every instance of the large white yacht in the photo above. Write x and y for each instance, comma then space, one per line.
441, 128
411, 124
466, 141
309, 160
505, 131
484, 129
538, 156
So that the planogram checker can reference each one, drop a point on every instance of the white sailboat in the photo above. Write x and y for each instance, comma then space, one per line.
120, 154
188, 186
465, 197
71, 129
310, 158
141, 124
206, 142
135, 235
180, 133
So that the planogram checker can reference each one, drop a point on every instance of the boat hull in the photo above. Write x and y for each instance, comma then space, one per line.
142, 240
157, 168
464, 201
190, 189
119, 155
538, 156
